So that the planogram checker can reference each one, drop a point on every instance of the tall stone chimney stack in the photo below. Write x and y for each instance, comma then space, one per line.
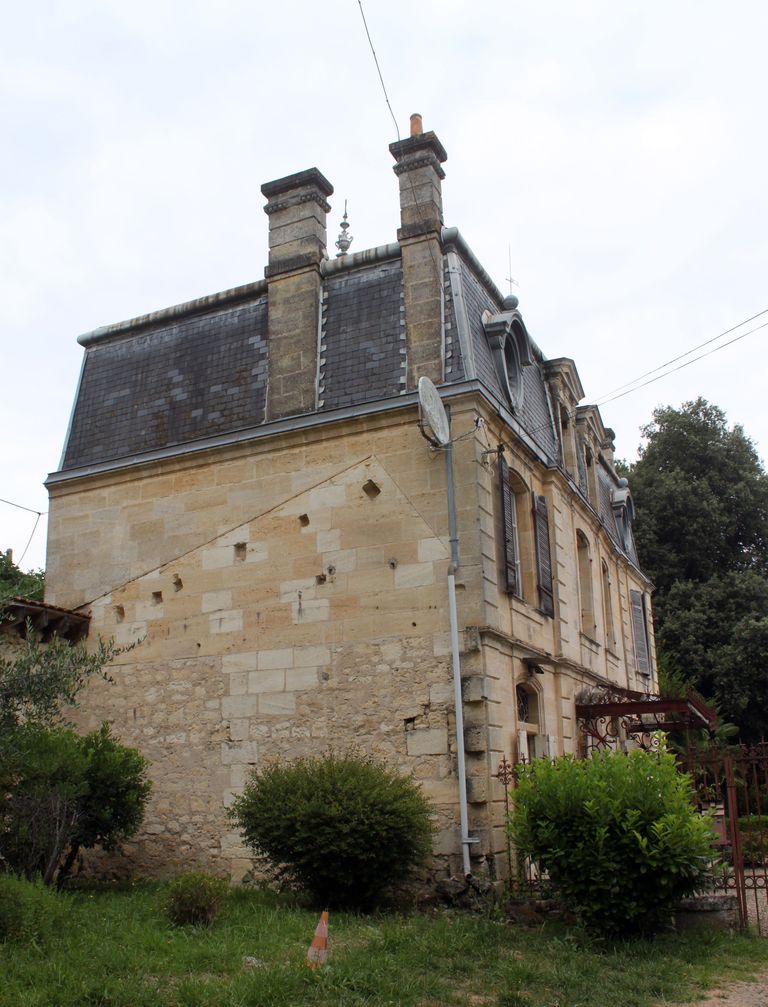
419, 172
297, 208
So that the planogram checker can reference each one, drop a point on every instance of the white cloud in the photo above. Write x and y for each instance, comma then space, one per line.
618, 150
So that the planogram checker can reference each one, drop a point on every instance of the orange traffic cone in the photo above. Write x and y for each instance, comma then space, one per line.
318, 949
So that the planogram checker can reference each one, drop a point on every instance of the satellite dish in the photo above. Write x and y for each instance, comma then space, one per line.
433, 413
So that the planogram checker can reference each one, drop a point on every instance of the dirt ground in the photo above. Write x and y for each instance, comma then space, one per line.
752, 994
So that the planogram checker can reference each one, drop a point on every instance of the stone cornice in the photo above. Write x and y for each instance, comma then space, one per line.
423, 160
310, 178
315, 196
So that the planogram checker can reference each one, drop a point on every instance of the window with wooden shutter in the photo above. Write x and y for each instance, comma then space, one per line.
640, 633
511, 542
543, 555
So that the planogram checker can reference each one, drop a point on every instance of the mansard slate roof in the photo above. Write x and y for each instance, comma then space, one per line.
179, 376
198, 370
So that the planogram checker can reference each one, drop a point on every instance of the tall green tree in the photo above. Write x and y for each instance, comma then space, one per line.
701, 500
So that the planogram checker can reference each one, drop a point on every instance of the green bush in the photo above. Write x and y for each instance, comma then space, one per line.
346, 828
28, 910
116, 794
60, 792
42, 781
195, 898
617, 834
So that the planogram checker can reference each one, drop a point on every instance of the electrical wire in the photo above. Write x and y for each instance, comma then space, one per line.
378, 68
29, 540
21, 507
416, 203
674, 360
29, 510
687, 363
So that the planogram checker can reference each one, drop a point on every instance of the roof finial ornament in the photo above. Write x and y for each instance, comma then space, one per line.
344, 240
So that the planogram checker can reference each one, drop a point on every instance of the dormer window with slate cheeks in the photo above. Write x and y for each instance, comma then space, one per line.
511, 347
590, 462
568, 442
624, 514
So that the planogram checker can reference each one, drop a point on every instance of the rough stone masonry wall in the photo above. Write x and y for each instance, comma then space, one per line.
319, 622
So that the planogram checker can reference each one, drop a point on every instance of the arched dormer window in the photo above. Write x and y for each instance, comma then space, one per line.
511, 348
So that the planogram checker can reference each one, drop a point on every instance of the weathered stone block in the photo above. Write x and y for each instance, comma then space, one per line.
431, 549
272, 704
272, 680
477, 789
271, 659
475, 739
305, 657
239, 752
427, 741
238, 729
414, 575
239, 706
217, 557
474, 689
238, 683
318, 610
226, 622
297, 679
245, 661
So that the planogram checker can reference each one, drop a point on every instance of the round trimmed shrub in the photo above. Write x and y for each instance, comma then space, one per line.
195, 898
345, 828
618, 836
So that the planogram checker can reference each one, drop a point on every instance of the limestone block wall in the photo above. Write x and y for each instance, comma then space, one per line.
321, 621
290, 595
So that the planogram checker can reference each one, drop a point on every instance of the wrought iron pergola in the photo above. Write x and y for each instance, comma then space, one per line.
607, 715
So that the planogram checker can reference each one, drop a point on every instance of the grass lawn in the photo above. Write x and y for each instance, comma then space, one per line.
115, 949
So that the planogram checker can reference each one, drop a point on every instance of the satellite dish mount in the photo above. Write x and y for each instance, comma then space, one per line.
434, 423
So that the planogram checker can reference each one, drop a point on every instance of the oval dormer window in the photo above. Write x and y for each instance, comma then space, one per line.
511, 349
513, 371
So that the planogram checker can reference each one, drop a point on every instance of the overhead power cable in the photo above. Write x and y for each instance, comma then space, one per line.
687, 363
378, 68
416, 203
31, 510
29, 540
606, 397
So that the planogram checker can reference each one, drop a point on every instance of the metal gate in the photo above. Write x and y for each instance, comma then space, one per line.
731, 785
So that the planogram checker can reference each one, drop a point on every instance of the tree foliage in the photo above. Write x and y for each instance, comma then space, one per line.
701, 500
60, 792
39, 680
617, 834
701, 497
15, 583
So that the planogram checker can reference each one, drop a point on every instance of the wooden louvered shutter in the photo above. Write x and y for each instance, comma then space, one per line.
509, 520
640, 634
543, 555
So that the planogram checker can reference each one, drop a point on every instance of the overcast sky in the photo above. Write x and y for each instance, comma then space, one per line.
617, 151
